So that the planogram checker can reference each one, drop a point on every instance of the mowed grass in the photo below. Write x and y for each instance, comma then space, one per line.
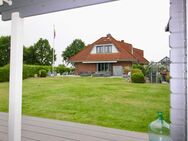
109, 102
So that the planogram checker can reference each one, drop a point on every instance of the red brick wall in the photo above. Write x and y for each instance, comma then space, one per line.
123, 64
81, 67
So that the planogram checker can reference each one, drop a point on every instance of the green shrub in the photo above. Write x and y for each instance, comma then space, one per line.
62, 69
136, 71
137, 78
4, 73
140, 67
42, 73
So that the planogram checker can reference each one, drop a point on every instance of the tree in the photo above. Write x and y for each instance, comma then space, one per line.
40, 53
76, 46
4, 50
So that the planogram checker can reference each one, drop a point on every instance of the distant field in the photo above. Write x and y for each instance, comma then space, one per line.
110, 102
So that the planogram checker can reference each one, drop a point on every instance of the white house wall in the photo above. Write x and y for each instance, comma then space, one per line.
178, 68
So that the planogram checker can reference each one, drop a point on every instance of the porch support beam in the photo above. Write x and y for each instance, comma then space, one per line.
178, 70
15, 83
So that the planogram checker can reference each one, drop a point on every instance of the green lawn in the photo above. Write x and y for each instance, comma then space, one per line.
110, 102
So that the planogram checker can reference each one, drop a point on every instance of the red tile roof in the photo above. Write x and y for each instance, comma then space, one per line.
124, 52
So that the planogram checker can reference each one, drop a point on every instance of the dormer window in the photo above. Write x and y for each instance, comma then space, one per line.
99, 49
104, 49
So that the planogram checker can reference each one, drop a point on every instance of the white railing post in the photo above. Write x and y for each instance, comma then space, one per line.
15, 83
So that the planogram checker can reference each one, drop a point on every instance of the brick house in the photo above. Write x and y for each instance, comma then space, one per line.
107, 55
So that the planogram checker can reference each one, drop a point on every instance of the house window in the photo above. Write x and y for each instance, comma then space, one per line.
99, 49
103, 67
108, 49
104, 49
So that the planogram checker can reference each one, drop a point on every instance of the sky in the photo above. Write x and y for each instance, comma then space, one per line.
138, 22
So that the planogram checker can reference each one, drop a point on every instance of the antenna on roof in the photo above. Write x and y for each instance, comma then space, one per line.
9, 2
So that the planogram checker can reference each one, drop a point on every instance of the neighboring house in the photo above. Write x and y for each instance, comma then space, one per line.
107, 55
165, 62
159, 71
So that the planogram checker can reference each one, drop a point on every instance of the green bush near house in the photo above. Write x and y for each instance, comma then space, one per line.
42, 73
138, 77
140, 67
136, 71
62, 69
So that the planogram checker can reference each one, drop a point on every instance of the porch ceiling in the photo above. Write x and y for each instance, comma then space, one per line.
28, 8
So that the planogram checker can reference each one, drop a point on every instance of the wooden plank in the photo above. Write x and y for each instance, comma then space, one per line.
3, 136
76, 136
45, 129
28, 139
42, 137
2, 114
93, 128
46, 123
79, 131
3, 123
4, 129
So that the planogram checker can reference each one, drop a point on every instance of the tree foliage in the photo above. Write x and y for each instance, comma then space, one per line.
4, 50
29, 55
76, 46
40, 53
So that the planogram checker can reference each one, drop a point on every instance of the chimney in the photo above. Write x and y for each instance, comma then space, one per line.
122, 41
109, 35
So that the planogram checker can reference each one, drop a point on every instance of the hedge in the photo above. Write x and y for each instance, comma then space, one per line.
4, 73
31, 70
42, 73
28, 71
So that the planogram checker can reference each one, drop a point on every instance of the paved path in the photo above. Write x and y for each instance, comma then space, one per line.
39, 129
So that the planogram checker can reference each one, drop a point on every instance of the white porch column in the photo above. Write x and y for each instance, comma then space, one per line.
178, 70
15, 85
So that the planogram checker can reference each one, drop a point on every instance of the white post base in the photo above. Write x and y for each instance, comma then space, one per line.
15, 83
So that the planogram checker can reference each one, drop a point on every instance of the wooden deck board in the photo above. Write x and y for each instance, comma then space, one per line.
39, 129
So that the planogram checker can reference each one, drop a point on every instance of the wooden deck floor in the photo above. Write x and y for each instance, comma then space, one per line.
39, 129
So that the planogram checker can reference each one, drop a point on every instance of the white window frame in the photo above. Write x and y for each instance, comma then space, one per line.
104, 49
